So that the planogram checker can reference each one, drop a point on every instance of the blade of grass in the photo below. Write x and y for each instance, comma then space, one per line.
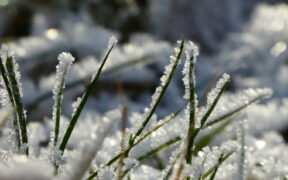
65, 61
18, 102
192, 105
82, 103
7, 86
211, 108
209, 87
161, 95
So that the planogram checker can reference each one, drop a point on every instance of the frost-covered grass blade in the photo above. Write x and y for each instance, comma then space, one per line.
10, 66
160, 91
215, 96
9, 91
190, 94
65, 61
84, 99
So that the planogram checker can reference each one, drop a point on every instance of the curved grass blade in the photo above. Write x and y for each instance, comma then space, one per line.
7, 86
18, 102
82, 103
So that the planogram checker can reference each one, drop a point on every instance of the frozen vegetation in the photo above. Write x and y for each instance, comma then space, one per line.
214, 107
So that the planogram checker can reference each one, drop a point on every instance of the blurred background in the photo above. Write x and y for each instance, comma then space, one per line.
245, 38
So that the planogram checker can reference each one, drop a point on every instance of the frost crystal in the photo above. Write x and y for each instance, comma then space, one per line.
76, 103
191, 50
5, 52
112, 41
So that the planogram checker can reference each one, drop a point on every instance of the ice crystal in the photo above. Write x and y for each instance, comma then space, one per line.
112, 41
5, 52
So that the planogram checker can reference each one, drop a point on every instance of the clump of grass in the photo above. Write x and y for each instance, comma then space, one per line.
196, 119
11, 78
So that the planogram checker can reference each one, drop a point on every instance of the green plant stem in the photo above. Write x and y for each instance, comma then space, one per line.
211, 108
79, 109
158, 100
192, 116
7, 86
18, 102
59, 108
192, 134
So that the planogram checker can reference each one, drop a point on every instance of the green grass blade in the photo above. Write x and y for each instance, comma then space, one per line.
7, 86
215, 101
18, 102
161, 94
189, 80
65, 61
82, 103
58, 113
